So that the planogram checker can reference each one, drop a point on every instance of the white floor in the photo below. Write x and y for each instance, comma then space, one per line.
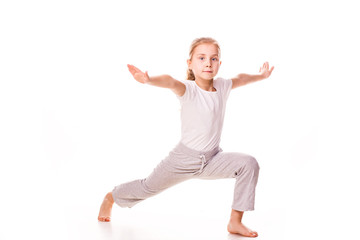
57, 220
139, 225
64, 204
61, 206
169, 216
36, 213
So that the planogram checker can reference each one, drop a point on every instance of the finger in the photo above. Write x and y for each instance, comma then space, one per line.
138, 70
131, 66
147, 75
131, 69
271, 69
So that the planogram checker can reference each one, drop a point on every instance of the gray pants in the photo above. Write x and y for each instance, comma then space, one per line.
184, 163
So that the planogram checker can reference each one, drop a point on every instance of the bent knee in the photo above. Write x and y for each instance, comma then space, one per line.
252, 164
248, 164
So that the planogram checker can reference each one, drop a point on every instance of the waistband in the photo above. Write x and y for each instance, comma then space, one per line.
195, 153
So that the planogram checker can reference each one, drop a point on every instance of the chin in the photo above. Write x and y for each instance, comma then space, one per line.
208, 76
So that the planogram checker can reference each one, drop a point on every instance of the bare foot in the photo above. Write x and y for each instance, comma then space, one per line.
236, 227
105, 209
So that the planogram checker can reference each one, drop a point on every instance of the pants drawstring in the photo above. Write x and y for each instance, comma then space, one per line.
203, 160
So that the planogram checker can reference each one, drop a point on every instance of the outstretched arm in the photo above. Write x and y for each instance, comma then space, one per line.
164, 81
243, 78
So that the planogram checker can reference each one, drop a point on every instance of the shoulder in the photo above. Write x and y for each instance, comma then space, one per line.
189, 84
223, 83
185, 87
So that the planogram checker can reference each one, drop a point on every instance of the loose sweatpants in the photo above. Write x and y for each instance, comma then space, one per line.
184, 163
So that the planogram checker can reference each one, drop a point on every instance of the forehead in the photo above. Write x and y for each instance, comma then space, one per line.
206, 48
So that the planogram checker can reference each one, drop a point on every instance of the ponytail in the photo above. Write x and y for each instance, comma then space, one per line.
190, 75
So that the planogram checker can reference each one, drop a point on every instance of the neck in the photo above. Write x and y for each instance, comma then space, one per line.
206, 85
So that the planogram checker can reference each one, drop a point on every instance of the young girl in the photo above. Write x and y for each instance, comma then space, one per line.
197, 155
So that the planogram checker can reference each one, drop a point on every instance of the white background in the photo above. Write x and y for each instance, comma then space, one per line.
74, 123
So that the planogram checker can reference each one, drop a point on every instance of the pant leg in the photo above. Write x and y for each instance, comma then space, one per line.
175, 168
244, 168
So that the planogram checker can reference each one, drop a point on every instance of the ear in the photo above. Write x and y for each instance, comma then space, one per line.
220, 63
188, 62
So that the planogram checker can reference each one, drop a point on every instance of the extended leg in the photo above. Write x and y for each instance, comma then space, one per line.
129, 194
175, 168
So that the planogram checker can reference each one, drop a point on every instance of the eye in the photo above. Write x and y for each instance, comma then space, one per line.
214, 59
201, 58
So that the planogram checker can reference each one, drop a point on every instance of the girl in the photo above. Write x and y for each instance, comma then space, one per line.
197, 155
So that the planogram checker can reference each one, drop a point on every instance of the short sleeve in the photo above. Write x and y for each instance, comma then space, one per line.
225, 85
188, 90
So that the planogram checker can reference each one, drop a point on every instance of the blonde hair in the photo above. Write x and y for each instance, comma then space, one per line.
194, 44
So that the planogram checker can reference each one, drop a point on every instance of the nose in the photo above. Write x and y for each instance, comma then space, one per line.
208, 63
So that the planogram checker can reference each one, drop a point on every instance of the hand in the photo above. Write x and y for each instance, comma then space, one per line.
264, 70
138, 75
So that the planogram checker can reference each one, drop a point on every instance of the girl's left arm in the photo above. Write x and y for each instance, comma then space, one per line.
243, 78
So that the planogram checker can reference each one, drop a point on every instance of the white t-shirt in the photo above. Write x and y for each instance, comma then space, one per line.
202, 114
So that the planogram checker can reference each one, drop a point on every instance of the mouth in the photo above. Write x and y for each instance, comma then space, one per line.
208, 71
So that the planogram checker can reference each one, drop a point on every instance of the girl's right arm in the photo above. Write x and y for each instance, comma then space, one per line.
164, 81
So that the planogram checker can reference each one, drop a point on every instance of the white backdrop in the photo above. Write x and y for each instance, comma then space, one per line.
74, 123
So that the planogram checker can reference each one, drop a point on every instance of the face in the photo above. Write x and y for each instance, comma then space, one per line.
205, 61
